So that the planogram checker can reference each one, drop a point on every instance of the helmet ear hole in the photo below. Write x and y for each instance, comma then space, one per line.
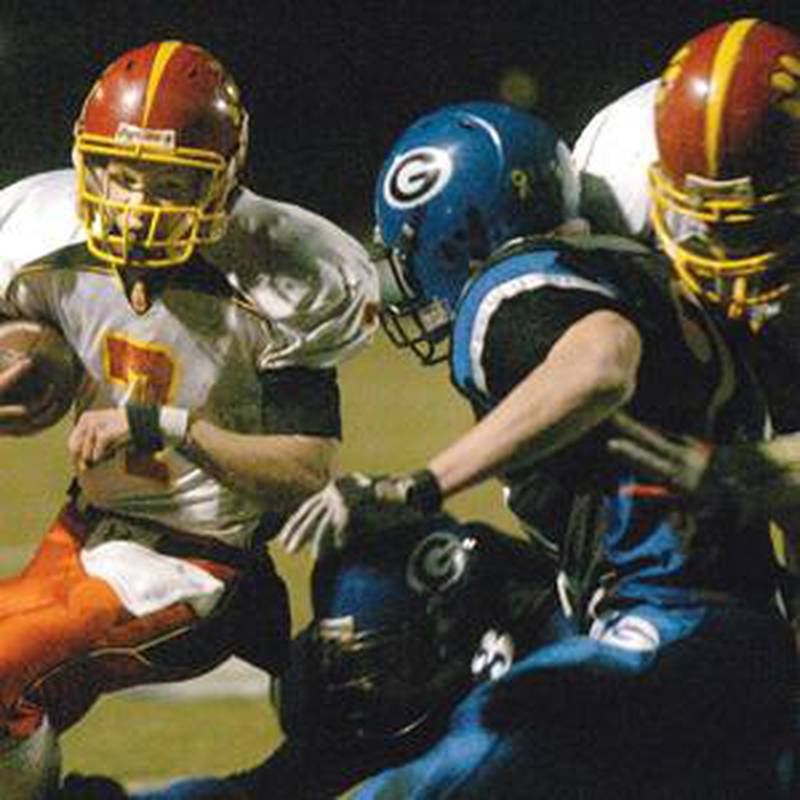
478, 235
449, 252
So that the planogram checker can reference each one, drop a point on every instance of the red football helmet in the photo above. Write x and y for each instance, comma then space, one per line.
167, 104
726, 188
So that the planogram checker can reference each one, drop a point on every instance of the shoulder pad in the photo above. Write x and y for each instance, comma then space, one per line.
585, 243
603, 241
37, 218
613, 154
524, 265
312, 281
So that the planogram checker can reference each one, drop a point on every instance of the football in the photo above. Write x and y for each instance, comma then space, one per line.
54, 365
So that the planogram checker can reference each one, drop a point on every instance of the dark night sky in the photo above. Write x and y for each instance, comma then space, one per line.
330, 84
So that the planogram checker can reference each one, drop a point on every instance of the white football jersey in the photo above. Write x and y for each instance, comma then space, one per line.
283, 288
613, 154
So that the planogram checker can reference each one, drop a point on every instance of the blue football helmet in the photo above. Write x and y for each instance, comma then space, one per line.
404, 625
457, 185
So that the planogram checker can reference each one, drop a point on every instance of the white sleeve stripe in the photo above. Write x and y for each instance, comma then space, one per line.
505, 291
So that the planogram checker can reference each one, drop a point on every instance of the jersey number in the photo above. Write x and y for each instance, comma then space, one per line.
148, 374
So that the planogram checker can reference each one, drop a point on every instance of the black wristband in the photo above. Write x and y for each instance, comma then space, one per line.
425, 494
143, 421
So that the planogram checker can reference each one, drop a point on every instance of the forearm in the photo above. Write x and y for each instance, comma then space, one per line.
280, 470
590, 372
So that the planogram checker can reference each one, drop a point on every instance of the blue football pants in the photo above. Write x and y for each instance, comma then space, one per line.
661, 703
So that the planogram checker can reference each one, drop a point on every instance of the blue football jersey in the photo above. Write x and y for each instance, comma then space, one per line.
691, 381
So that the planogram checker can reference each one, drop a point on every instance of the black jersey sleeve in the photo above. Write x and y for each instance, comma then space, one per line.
299, 400
526, 326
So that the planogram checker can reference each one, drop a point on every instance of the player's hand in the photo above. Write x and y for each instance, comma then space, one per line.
747, 477
97, 435
21, 419
357, 504
680, 462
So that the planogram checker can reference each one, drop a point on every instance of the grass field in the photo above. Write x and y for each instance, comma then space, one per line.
396, 414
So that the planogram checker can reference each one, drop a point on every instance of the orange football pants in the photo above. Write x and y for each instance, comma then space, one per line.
65, 637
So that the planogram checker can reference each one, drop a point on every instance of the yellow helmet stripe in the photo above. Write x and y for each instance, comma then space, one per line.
721, 75
163, 55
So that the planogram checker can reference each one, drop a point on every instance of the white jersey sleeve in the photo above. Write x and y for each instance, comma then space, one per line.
613, 154
313, 283
37, 217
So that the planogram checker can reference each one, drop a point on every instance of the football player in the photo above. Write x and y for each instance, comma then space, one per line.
209, 322
549, 335
705, 160
704, 163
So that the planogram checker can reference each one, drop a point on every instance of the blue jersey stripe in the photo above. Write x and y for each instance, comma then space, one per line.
527, 272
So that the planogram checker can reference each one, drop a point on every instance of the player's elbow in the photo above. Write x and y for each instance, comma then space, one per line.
614, 382
611, 363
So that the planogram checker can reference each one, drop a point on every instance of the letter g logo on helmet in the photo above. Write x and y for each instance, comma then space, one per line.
436, 563
416, 176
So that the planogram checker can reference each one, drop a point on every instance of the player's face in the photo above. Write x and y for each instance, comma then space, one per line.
149, 203
759, 253
735, 253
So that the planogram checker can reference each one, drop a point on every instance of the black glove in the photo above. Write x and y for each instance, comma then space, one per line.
680, 462
733, 476
357, 504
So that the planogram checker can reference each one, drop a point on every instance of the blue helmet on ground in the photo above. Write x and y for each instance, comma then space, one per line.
457, 185
404, 624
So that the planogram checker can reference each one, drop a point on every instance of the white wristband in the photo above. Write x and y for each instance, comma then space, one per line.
174, 423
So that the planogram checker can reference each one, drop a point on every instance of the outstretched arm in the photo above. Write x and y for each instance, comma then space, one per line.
280, 470
589, 372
